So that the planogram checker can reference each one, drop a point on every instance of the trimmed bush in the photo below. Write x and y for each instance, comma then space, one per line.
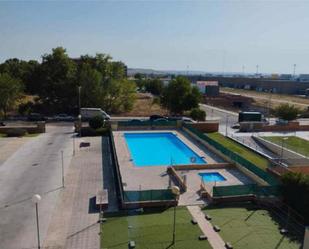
96, 122
17, 132
90, 132
198, 114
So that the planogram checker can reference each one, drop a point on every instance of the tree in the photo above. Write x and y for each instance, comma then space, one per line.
154, 86
295, 192
58, 89
10, 90
287, 112
198, 114
179, 96
119, 96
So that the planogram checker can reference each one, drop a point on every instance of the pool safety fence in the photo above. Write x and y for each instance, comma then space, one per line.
245, 190
234, 156
147, 123
153, 195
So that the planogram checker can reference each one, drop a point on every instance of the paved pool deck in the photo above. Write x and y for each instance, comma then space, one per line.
152, 177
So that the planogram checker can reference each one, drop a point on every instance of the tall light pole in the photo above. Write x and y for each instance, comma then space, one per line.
176, 192
294, 70
36, 199
226, 124
283, 139
79, 103
257, 69
62, 169
79, 111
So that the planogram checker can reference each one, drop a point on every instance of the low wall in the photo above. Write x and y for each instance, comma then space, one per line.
290, 126
282, 153
203, 166
300, 169
40, 127
205, 127
171, 170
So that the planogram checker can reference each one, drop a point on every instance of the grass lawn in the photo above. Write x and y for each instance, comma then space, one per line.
296, 144
246, 227
241, 150
152, 230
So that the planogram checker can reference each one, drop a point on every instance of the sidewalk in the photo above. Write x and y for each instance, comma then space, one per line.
213, 237
74, 223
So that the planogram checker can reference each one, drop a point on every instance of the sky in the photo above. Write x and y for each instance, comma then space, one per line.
212, 36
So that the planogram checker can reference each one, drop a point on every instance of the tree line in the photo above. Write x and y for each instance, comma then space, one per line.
54, 83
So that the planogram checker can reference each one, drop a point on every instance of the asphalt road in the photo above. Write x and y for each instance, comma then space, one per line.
225, 117
35, 168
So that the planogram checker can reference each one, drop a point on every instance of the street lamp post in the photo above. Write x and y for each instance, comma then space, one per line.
62, 169
79, 103
176, 192
36, 199
282, 145
226, 124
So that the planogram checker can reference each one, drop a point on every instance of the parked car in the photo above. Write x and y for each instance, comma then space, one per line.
161, 120
136, 121
88, 113
155, 117
235, 126
64, 117
185, 119
36, 117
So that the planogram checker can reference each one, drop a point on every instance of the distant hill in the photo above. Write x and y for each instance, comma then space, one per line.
133, 71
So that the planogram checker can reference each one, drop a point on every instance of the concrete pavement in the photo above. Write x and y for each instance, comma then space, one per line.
214, 238
35, 168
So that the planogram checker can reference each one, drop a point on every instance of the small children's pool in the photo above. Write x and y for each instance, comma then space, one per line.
159, 149
212, 177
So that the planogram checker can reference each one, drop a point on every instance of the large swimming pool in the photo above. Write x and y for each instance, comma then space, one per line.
157, 149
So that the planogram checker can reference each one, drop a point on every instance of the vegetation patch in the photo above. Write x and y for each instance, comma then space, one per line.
251, 156
152, 230
293, 143
248, 226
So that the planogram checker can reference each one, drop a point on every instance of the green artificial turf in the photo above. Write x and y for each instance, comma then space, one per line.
250, 155
296, 144
152, 231
248, 227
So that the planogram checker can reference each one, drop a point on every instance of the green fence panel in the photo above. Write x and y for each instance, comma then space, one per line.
236, 190
242, 190
148, 195
147, 123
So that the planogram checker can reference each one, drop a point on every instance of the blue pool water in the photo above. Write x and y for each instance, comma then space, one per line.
212, 177
154, 149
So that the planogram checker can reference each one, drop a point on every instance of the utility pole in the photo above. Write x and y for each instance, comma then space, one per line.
294, 70
257, 69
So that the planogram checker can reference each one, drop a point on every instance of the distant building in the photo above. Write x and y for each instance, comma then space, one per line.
286, 76
304, 77
208, 88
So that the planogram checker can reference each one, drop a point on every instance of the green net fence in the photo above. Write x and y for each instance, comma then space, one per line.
235, 157
148, 195
242, 190
135, 123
